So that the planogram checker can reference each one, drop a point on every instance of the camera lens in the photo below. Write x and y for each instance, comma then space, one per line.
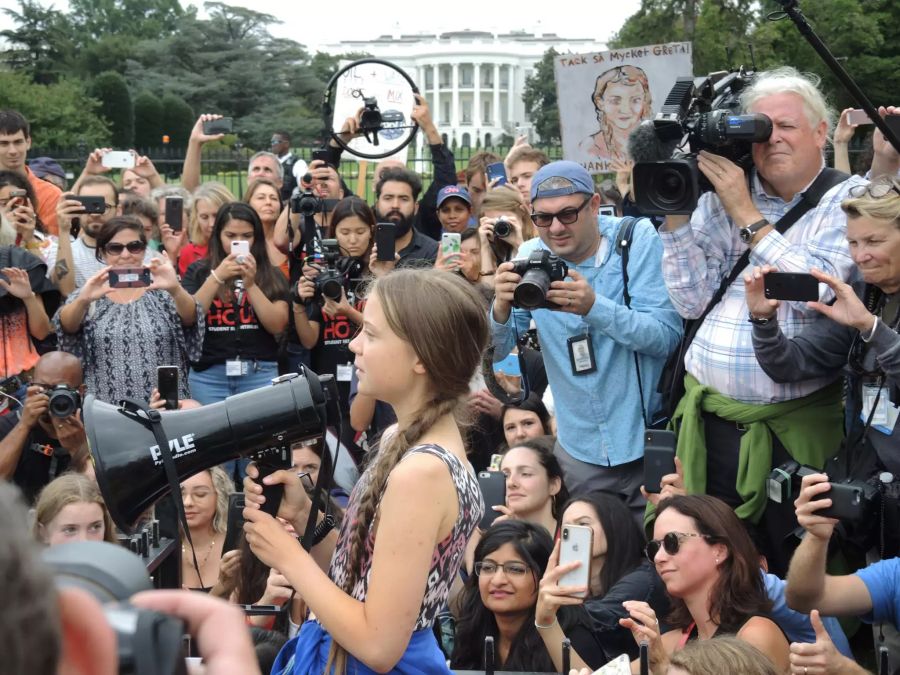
502, 228
669, 186
63, 403
531, 292
565, 533
332, 288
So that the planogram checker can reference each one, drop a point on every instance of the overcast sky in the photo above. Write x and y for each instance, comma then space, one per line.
366, 19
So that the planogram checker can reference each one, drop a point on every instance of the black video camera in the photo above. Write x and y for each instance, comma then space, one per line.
305, 203
538, 271
370, 118
64, 401
332, 280
851, 500
698, 114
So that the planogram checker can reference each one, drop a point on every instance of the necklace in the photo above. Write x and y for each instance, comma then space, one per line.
212, 543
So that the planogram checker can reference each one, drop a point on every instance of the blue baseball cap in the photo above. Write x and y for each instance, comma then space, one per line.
45, 166
453, 191
558, 179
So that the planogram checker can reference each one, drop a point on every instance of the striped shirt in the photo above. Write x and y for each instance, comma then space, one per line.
698, 256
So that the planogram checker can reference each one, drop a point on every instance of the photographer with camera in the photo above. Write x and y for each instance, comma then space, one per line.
504, 224
870, 593
45, 438
730, 403
590, 338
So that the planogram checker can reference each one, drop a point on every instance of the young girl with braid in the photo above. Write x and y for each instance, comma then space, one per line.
413, 510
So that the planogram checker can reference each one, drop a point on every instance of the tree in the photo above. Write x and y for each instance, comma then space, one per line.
43, 43
148, 114
540, 98
61, 114
177, 119
111, 91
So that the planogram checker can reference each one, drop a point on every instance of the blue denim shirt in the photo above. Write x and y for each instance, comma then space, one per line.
599, 415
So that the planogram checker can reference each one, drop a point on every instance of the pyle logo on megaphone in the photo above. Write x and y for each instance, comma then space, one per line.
179, 447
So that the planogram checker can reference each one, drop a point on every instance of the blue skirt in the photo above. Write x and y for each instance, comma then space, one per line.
307, 654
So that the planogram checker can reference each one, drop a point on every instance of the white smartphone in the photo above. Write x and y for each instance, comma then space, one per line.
621, 665
858, 117
451, 242
118, 159
608, 210
576, 544
241, 247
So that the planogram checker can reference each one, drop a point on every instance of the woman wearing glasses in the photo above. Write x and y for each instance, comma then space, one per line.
123, 333
710, 568
857, 335
499, 601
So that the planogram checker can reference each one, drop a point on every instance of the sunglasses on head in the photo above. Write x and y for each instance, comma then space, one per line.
671, 542
116, 248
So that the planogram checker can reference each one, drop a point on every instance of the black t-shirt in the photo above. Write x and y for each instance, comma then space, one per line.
42, 459
232, 329
333, 348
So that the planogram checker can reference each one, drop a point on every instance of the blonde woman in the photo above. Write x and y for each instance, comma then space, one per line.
501, 244
71, 508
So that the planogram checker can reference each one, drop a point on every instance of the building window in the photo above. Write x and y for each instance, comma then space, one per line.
466, 140
446, 116
466, 75
429, 77
487, 140
446, 75
504, 77
466, 112
486, 117
487, 76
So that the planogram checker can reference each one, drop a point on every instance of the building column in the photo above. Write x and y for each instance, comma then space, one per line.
436, 82
495, 113
454, 106
476, 102
510, 92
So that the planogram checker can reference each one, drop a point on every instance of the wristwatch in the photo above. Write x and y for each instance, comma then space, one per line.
748, 232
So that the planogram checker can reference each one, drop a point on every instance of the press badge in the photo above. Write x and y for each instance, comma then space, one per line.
345, 372
581, 354
885, 415
236, 367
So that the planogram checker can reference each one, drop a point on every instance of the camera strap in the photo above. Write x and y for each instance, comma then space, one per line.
674, 379
153, 420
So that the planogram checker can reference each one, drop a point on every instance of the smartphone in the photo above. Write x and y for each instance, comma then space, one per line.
174, 213
322, 156
129, 277
893, 123
451, 242
17, 196
223, 125
509, 365
118, 159
235, 523
386, 241
659, 458
240, 248
91, 204
791, 286
608, 210
493, 490
575, 544
496, 171
167, 384
621, 665
858, 117
848, 502
261, 610
496, 459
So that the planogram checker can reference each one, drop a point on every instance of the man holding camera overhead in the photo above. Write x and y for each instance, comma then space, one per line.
45, 437
734, 422
590, 338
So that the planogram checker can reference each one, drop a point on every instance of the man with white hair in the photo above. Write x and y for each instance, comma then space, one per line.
734, 422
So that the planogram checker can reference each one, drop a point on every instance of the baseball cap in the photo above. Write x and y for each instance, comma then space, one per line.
453, 191
561, 178
43, 166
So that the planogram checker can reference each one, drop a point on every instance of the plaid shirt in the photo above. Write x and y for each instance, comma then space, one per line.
698, 256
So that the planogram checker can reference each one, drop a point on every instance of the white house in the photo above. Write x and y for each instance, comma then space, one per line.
473, 80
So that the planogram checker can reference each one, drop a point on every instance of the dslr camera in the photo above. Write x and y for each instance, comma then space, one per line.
698, 114
851, 500
332, 280
63, 401
305, 203
538, 271
502, 228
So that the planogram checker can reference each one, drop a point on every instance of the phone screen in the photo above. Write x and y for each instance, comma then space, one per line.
451, 242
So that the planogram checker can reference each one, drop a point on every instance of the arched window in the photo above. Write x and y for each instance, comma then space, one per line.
466, 140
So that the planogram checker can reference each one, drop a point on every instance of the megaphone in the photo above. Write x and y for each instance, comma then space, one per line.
262, 424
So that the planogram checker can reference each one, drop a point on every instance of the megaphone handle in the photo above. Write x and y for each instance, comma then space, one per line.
272, 493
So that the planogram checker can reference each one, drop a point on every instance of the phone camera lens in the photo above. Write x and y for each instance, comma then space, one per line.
565, 533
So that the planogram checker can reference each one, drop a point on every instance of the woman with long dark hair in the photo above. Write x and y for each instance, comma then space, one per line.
499, 601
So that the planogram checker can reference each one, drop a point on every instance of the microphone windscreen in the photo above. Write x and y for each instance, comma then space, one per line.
644, 144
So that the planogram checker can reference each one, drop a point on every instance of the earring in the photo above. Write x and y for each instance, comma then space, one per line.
717, 560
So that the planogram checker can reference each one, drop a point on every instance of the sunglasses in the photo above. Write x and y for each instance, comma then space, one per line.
116, 248
874, 190
566, 216
671, 542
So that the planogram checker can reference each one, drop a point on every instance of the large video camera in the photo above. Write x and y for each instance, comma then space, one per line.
698, 114
338, 271
306, 203
538, 271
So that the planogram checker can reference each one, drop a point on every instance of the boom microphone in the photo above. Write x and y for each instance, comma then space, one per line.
648, 142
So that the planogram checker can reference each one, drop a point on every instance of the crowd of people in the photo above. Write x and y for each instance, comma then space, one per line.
448, 369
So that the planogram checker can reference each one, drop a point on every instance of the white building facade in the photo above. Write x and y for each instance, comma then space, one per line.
473, 80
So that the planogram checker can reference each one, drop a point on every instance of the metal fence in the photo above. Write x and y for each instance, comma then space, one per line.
229, 166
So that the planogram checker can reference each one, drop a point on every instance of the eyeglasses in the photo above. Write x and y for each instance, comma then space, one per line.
874, 190
671, 543
566, 216
510, 569
116, 248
